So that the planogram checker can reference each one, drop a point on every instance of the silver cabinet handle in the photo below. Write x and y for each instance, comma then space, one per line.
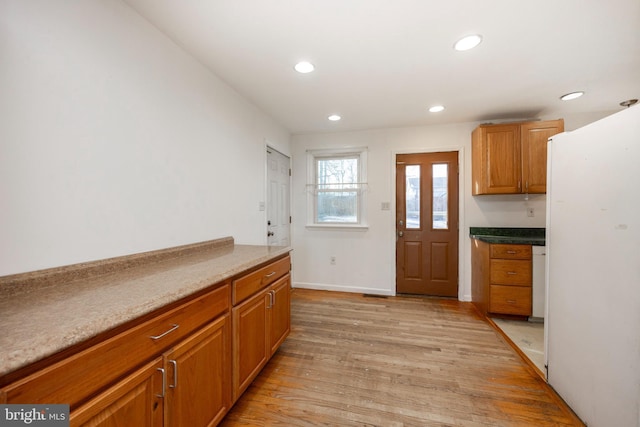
511, 301
511, 273
400, 234
274, 297
270, 274
511, 252
175, 374
173, 328
164, 382
271, 299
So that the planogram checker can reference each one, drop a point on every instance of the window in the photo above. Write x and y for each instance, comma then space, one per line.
336, 188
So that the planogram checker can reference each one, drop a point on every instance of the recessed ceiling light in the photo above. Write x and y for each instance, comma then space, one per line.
436, 108
334, 117
468, 42
304, 67
572, 95
628, 103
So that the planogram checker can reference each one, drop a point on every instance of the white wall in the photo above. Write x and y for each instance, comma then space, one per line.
114, 141
365, 260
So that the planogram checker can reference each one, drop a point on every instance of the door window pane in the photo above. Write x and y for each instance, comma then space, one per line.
440, 218
412, 196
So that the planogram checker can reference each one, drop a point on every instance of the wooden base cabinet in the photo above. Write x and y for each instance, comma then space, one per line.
260, 323
198, 378
171, 370
182, 366
190, 385
501, 281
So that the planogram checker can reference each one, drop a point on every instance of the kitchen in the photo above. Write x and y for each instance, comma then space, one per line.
136, 142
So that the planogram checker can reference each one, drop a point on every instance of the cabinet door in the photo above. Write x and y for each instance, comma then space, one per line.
279, 313
133, 401
198, 377
250, 346
534, 153
496, 159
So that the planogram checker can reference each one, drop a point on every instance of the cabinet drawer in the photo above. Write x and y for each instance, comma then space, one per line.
80, 376
510, 300
510, 272
248, 285
511, 251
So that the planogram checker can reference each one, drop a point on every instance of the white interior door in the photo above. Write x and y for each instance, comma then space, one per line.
278, 208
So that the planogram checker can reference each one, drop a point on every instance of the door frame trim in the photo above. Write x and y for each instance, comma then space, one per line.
462, 258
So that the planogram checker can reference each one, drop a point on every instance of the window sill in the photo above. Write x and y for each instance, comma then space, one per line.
346, 227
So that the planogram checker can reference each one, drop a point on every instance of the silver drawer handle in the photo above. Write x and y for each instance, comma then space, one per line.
511, 301
511, 252
270, 274
173, 328
512, 273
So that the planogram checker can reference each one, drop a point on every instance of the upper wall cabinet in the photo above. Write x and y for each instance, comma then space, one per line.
511, 158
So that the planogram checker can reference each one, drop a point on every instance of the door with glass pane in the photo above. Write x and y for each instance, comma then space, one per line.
427, 224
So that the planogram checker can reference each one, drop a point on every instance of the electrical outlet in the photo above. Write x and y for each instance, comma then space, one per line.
530, 212
332, 260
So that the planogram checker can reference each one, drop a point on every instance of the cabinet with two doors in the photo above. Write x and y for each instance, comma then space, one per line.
511, 158
177, 367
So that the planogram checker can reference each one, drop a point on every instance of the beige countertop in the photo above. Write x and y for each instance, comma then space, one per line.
42, 313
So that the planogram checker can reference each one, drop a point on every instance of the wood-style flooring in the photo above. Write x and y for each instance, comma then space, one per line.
357, 360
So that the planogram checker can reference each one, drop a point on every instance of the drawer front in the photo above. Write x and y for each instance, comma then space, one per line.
82, 375
510, 300
511, 251
251, 283
510, 272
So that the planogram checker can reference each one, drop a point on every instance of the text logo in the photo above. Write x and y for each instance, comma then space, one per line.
34, 415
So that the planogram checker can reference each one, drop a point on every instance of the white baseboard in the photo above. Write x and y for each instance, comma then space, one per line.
355, 289
339, 288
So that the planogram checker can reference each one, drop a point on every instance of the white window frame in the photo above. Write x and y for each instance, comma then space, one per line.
312, 186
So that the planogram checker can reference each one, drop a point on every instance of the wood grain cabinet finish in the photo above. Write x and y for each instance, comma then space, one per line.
511, 158
260, 323
80, 376
135, 400
501, 278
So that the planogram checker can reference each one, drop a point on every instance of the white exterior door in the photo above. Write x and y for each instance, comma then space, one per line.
278, 210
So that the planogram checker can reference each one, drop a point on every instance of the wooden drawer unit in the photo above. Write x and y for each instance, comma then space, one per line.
502, 278
251, 283
79, 377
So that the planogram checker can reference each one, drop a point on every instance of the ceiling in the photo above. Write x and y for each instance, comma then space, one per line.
383, 63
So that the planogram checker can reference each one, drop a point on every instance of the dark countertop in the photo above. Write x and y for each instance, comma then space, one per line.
518, 236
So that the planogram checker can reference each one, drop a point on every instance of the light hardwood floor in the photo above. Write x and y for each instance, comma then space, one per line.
355, 360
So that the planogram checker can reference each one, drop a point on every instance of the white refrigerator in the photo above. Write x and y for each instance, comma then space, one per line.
593, 269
